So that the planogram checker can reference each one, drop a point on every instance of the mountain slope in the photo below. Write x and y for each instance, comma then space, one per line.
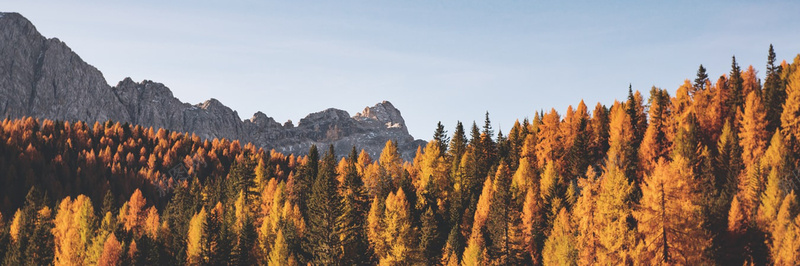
44, 78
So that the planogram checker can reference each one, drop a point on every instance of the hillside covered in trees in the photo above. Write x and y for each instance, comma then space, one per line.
705, 176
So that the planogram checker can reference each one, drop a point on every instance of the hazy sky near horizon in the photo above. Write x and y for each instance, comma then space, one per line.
434, 60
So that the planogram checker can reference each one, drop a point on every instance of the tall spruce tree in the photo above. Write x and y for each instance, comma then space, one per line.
355, 248
701, 80
735, 87
441, 135
324, 210
774, 92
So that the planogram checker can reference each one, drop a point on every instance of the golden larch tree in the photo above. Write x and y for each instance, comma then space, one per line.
560, 249
670, 218
549, 146
399, 234
790, 118
753, 134
112, 252
584, 212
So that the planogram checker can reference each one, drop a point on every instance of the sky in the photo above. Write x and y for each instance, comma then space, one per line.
434, 60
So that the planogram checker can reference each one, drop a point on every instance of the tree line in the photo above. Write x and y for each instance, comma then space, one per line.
706, 176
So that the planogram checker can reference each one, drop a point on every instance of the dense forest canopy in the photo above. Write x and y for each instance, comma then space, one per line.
705, 176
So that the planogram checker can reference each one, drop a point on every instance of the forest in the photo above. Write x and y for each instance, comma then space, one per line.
705, 176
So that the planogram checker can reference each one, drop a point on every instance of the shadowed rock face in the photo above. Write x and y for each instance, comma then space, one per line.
44, 78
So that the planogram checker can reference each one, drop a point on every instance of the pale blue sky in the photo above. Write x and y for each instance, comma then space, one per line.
434, 60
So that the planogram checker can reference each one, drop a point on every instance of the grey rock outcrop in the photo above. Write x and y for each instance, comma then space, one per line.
44, 78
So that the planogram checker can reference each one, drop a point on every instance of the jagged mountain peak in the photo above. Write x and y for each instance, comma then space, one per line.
44, 78
384, 113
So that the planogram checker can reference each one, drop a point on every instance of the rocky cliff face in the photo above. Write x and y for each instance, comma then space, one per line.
44, 78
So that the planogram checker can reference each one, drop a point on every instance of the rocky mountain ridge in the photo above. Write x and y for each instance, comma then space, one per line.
44, 78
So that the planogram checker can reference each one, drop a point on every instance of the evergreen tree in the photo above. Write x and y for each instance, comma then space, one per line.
504, 221
735, 86
774, 92
701, 80
354, 211
440, 135
655, 144
307, 174
458, 146
324, 210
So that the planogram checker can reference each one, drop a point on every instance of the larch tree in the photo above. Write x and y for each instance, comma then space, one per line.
584, 212
560, 248
279, 254
614, 213
753, 133
112, 252
784, 241
790, 117
669, 216
195, 239
133, 218
399, 233
621, 150
73, 231
549, 146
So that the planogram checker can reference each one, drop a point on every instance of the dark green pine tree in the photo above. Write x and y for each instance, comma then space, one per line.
774, 92
577, 155
355, 206
4, 238
212, 250
301, 187
687, 143
701, 80
457, 147
638, 126
486, 151
245, 241
34, 244
474, 136
503, 215
516, 139
41, 246
431, 239
503, 148
324, 210
735, 87
178, 213
242, 176
441, 135
728, 163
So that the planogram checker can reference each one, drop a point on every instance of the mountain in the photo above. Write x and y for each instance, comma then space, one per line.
44, 78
